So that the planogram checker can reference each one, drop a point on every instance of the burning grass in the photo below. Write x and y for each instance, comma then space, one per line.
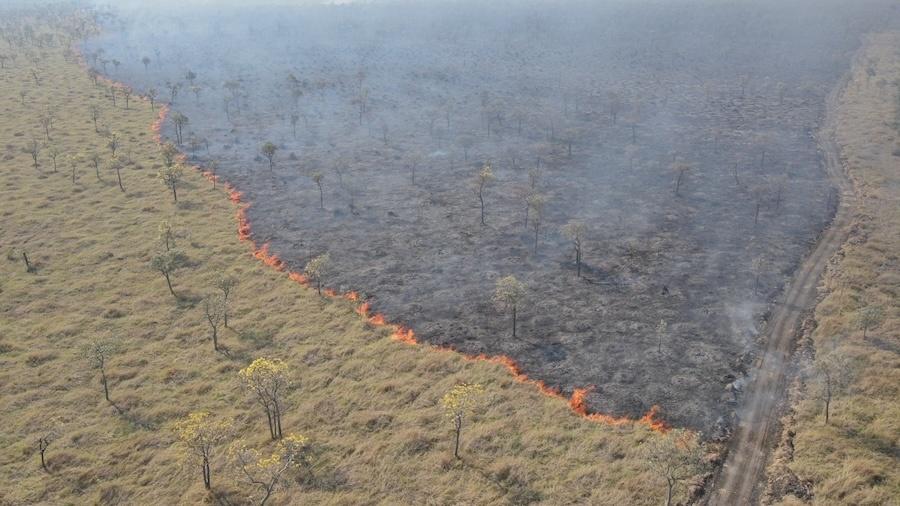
369, 406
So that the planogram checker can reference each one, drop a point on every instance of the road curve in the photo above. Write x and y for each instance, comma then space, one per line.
739, 479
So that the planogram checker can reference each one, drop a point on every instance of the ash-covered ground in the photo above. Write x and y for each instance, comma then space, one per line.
600, 110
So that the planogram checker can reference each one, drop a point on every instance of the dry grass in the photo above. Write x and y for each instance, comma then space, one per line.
370, 405
855, 459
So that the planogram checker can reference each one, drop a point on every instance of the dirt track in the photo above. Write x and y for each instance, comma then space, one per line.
744, 470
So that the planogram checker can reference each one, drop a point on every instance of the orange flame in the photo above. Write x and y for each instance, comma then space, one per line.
577, 402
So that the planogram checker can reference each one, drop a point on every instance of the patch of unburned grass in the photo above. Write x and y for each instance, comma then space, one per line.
855, 459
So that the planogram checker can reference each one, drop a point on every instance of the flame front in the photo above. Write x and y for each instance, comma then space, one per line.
400, 333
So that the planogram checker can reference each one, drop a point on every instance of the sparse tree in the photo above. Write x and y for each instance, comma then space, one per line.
167, 234
680, 169
116, 164
615, 106
466, 142
113, 143
179, 120
225, 284
167, 263
759, 265
151, 96
97, 353
33, 148
833, 374
146, 61
170, 176
868, 317
95, 116
95, 159
295, 118
46, 121
73, 161
482, 179
268, 150
662, 330
53, 152
201, 435
459, 404
536, 203
214, 310
173, 90
317, 178
49, 434
675, 457
266, 471
169, 153
508, 296
267, 379
317, 270
575, 232
126, 94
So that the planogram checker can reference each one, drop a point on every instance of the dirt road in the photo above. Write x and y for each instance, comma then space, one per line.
738, 482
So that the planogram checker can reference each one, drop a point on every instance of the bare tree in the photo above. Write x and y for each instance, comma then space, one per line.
151, 96
146, 61
508, 295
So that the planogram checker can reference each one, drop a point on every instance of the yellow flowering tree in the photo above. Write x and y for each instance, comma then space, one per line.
266, 470
200, 434
267, 379
460, 402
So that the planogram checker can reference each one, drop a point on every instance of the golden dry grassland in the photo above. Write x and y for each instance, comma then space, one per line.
855, 459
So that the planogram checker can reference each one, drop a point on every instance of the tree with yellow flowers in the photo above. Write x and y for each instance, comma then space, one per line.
266, 470
267, 379
460, 402
200, 434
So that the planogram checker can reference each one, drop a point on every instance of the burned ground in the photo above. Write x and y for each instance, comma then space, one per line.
607, 102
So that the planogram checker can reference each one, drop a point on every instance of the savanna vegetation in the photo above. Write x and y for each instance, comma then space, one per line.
111, 289
840, 441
